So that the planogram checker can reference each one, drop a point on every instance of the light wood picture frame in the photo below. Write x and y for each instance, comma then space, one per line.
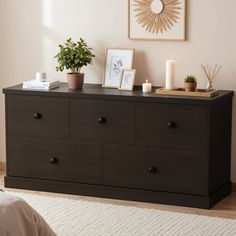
157, 20
127, 80
116, 61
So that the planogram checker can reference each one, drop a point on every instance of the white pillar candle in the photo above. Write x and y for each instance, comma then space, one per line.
170, 74
147, 87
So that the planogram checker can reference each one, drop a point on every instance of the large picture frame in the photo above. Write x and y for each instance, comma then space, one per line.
157, 20
127, 80
116, 61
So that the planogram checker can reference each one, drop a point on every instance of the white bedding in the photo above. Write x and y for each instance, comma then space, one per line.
17, 218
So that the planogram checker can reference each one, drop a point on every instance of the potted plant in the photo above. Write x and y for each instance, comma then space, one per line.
73, 56
190, 83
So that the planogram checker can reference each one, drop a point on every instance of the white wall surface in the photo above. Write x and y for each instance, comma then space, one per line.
30, 31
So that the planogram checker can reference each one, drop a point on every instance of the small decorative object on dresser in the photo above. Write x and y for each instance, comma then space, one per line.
183, 93
40, 83
211, 73
73, 56
127, 80
147, 87
170, 74
41, 76
190, 83
116, 61
44, 86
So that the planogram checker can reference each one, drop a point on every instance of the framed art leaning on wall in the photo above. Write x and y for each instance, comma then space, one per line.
127, 80
116, 61
157, 19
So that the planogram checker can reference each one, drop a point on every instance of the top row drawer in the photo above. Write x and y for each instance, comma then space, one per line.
172, 125
102, 121
149, 124
38, 116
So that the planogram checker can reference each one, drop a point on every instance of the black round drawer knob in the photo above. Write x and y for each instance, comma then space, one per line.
37, 116
171, 125
102, 120
53, 160
152, 169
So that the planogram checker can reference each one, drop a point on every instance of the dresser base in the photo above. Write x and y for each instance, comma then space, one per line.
186, 200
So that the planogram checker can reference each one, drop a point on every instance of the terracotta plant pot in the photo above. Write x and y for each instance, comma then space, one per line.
75, 80
190, 87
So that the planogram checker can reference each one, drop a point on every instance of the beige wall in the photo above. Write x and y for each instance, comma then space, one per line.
31, 30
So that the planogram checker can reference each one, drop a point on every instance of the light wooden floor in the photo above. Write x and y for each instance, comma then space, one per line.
225, 209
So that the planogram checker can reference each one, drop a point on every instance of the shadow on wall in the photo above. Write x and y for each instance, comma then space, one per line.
142, 69
57, 26
21, 48
22, 40
96, 75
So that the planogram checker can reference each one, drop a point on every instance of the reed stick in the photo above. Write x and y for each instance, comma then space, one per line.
211, 72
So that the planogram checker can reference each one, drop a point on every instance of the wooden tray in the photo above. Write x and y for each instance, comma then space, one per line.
182, 92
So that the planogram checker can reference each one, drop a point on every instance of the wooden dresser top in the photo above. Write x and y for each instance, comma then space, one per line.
95, 91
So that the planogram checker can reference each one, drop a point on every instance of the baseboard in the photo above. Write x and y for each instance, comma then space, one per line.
2, 166
234, 187
102, 191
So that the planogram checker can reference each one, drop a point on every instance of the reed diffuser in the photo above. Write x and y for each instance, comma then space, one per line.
211, 73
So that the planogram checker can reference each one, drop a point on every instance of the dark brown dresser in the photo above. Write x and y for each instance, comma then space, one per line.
118, 144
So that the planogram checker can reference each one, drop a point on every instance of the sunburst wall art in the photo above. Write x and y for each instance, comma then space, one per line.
157, 19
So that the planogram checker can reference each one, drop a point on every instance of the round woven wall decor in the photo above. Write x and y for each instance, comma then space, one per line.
157, 16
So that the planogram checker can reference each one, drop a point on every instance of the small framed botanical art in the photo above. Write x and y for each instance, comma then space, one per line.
157, 19
116, 61
127, 80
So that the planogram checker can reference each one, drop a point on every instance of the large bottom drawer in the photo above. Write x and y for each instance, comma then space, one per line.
168, 170
54, 160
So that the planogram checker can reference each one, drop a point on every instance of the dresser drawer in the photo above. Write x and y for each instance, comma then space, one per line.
38, 116
54, 160
172, 125
102, 121
155, 169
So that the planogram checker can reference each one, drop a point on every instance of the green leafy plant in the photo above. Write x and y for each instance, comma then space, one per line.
73, 56
190, 79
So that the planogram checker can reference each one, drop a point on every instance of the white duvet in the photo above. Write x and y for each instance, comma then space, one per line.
17, 218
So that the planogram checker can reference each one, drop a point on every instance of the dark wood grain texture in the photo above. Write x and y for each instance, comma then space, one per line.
102, 121
172, 126
74, 162
121, 144
38, 116
219, 161
95, 91
166, 170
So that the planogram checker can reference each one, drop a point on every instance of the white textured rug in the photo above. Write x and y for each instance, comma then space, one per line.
80, 218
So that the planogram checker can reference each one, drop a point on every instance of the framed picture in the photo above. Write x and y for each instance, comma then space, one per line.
127, 80
157, 19
116, 61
